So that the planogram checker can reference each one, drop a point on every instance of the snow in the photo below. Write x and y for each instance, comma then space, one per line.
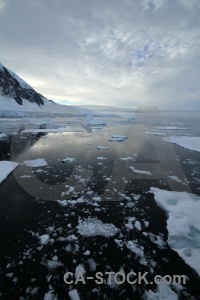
44, 239
68, 160
6, 167
118, 138
102, 148
93, 227
73, 294
61, 129
155, 133
140, 171
170, 128
3, 136
95, 120
79, 270
183, 223
126, 158
39, 162
9, 104
189, 142
101, 158
163, 292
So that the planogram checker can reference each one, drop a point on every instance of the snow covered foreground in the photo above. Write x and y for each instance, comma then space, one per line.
189, 142
183, 223
6, 167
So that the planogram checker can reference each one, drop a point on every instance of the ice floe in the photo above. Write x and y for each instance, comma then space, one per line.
3, 136
102, 148
189, 142
163, 292
73, 295
44, 239
6, 167
93, 227
39, 162
68, 160
118, 138
183, 223
140, 171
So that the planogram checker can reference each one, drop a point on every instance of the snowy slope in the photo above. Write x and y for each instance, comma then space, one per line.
18, 96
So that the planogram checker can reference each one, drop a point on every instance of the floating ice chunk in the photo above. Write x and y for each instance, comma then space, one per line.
72, 238
102, 148
62, 202
49, 296
157, 239
87, 252
101, 158
140, 171
6, 167
170, 128
39, 162
126, 158
92, 265
3, 136
73, 294
118, 138
191, 143
68, 160
44, 239
53, 265
93, 227
138, 225
132, 246
163, 292
96, 198
79, 270
155, 133
183, 223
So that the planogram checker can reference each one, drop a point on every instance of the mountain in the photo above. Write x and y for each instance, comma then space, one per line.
17, 95
11, 85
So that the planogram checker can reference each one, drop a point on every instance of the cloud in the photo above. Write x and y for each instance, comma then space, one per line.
110, 52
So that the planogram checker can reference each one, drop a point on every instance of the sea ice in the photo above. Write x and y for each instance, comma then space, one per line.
189, 142
69, 160
93, 227
140, 171
163, 292
183, 223
39, 162
6, 167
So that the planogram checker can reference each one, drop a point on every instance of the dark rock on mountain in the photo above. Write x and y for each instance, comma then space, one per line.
14, 87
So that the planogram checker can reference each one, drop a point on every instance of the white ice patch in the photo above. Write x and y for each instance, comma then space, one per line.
93, 227
163, 292
39, 162
69, 160
73, 295
6, 167
189, 142
126, 158
155, 133
102, 148
3, 136
118, 138
183, 223
170, 128
140, 171
101, 158
44, 239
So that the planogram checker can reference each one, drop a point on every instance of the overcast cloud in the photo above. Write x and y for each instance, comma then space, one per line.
126, 52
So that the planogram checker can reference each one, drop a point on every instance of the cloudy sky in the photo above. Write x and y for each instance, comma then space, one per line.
113, 52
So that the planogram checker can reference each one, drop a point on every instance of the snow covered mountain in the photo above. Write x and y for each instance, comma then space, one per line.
14, 87
18, 96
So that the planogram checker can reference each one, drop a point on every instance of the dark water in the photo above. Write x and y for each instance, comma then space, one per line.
28, 208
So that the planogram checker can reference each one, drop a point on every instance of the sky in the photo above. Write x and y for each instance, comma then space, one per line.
105, 52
